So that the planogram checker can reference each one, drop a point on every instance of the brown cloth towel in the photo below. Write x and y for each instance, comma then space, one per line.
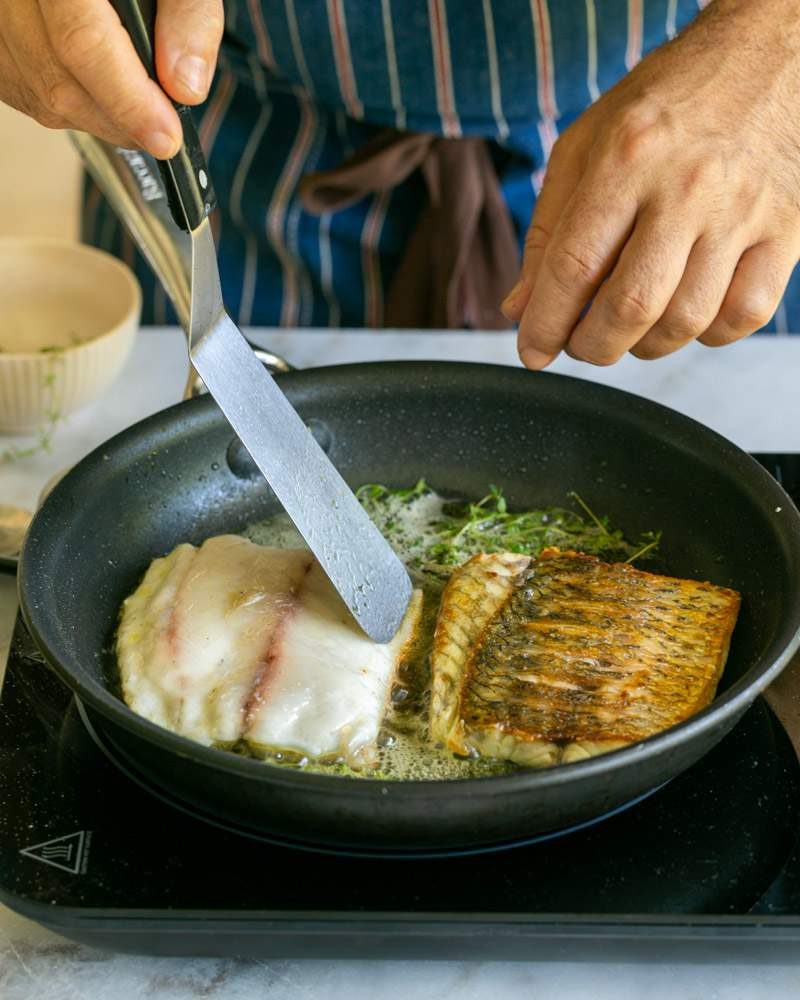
462, 257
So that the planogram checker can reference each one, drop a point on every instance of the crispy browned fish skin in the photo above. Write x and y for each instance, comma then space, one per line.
557, 659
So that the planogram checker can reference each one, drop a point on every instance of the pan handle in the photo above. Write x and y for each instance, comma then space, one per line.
131, 184
186, 179
274, 364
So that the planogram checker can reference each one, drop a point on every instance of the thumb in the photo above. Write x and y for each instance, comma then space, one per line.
188, 33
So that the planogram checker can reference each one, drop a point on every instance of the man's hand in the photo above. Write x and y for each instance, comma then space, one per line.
71, 64
673, 204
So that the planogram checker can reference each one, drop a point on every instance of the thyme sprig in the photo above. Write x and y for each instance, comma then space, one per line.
463, 529
45, 431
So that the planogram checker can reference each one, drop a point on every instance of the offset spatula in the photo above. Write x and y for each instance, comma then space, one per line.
370, 578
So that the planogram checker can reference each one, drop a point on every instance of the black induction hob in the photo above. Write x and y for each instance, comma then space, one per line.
705, 869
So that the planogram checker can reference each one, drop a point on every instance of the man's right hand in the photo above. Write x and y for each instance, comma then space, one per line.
71, 64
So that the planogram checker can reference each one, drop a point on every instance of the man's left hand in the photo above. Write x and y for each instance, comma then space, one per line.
671, 207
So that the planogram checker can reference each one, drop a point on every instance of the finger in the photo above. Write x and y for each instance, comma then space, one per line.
582, 251
560, 181
92, 44
696, 301
14, 91
755, 292
56, 99
188, 33
639, 290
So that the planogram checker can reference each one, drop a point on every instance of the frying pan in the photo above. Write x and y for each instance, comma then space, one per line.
181, 476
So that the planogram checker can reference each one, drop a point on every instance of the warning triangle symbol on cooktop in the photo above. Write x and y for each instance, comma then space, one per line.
65, 852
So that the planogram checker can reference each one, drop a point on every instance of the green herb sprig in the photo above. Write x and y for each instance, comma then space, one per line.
462, 530
45, 431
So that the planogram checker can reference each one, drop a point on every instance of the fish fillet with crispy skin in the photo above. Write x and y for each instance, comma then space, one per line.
557, 659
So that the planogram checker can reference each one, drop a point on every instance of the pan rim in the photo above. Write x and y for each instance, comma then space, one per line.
730, 704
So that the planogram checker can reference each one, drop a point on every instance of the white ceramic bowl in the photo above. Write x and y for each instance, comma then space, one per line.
68, 318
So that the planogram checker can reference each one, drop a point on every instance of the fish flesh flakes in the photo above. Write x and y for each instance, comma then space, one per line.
564, 657
236, 644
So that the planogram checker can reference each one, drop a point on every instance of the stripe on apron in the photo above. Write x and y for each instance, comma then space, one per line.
343, 59
263, 41
240, 176
306, 293
297, 47
326, 271
543, 49
208, 131
443, 69
278, 207
370, 259
672, 18
633, 53
591, 51
494, 71
391, 64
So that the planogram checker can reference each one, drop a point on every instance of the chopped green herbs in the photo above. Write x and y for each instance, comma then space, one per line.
435, 535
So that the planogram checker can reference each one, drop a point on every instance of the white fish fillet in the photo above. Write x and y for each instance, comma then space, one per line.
236, 642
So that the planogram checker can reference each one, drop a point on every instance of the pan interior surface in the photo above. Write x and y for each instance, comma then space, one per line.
180, 476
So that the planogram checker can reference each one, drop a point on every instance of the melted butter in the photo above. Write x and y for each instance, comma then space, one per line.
405, 751
409, 526
276, 532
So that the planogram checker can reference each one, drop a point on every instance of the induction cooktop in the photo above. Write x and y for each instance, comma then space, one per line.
707, 868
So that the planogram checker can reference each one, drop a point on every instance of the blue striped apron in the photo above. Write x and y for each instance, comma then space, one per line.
302, 83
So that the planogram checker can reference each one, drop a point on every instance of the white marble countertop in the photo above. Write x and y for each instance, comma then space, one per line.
749, 392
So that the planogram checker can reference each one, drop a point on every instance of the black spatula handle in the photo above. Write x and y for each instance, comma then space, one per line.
186, 178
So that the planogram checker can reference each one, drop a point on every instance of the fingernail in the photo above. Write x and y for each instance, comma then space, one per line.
192, 71
534, 359
161, 145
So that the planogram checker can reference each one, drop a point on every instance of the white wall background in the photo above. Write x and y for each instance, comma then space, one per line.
39, 179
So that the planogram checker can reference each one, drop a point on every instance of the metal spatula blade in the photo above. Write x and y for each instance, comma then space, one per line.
368, 575
359, 562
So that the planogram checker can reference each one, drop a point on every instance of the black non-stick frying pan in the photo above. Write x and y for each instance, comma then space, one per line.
181, 476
